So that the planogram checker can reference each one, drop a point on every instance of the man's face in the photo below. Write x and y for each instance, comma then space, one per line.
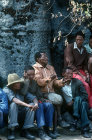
43, 59
68, 74
79, 41
16, 86
90, 42
30, 74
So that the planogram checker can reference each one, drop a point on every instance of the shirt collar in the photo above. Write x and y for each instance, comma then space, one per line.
69, 84
75, 47
40, 66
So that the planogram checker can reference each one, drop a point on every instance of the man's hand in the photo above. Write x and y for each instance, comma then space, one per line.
70, 103
48, 101
33, 107
30, 106
47, 80
87, 78
62, 82
84, 77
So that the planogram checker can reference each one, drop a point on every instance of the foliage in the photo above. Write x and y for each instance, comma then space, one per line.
79, 13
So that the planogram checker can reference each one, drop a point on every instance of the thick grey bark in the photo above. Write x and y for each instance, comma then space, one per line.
24, 30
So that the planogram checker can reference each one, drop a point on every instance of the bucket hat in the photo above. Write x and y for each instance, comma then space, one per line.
14, 78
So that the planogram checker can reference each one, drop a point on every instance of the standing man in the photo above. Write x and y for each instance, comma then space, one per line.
89, 50
46, 78
76, 57
76, 96
18, 108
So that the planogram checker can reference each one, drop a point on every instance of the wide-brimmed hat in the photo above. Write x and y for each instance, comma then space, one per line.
14, 78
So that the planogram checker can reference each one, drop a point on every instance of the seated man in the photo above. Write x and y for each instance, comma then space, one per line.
46, 78
76, 96
18, 108
44, 114
76, 57
3, 108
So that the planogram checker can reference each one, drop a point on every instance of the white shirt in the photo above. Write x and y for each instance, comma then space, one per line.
67, 92
75, 47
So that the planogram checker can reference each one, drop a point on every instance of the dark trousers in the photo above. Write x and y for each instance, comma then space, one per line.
3, 118
80, 110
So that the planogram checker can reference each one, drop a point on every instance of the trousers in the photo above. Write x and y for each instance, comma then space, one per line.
44, 114
80, 110
16, 111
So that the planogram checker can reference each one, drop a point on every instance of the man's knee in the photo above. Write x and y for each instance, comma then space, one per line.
84, 104
40, 105
55, 98
13, 106
78, 98
49, 105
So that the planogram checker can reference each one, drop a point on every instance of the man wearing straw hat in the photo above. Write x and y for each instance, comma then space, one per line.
18, 108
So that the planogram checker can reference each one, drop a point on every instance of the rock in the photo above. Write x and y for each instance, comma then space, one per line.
6, 20
6, 3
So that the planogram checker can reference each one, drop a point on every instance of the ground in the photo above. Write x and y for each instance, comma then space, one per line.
65, 135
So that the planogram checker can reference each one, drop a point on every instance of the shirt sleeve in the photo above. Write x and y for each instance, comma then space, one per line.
83, 92
9, 93
68, 57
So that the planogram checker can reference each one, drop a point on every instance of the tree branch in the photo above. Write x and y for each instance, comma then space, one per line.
70, 30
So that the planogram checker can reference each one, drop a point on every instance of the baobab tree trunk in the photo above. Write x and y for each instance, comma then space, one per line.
24, 30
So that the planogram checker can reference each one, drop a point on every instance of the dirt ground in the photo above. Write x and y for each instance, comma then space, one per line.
65, 135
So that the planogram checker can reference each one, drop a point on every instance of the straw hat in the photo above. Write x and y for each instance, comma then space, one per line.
14, 78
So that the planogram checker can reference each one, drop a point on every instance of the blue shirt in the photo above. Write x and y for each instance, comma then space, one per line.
29, 97
3, 102
88, 48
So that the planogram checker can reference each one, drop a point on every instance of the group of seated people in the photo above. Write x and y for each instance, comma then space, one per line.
33, 97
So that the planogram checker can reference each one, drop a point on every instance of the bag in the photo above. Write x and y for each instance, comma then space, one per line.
55, 98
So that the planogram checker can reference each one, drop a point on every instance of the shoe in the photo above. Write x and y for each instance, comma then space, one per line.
72, 128
52, 135
86, 134
43, 135
90, 127
48, 132
78, 124
27, 135
64, 124
56, 133
11, 134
